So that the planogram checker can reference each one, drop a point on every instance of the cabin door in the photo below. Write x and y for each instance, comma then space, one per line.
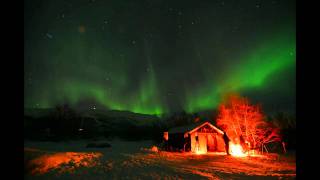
202, 142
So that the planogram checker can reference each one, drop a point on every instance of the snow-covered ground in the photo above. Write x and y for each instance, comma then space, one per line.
135, 160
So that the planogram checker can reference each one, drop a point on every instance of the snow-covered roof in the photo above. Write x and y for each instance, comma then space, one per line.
193, 127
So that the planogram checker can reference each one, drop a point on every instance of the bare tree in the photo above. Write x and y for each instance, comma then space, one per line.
243, 121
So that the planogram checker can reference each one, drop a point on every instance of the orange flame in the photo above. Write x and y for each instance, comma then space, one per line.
236, 150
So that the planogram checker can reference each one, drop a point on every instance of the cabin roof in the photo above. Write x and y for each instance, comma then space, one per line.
193, 127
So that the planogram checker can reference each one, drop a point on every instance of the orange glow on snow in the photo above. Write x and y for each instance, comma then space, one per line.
236, 150
154, 149
64, 161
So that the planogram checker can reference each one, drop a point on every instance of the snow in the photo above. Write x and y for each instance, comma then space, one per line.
137, 160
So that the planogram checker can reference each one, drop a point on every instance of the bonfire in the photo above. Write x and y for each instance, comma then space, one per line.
236, 150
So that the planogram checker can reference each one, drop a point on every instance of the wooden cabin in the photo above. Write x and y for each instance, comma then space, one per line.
197, 138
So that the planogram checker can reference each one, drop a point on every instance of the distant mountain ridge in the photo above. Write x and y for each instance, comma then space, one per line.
42, 112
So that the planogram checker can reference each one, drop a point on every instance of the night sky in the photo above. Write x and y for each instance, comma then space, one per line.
159, 56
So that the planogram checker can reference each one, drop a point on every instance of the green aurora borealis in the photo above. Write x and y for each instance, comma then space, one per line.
268, 58
120, 59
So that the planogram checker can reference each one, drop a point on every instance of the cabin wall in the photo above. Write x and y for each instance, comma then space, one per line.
213, 139
193, 142
212, 142
220, 144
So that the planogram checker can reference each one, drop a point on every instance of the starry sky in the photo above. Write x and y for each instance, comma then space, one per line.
159, 56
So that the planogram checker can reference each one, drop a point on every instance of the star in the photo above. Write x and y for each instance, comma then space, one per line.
170, 94
82, 29
50, 36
